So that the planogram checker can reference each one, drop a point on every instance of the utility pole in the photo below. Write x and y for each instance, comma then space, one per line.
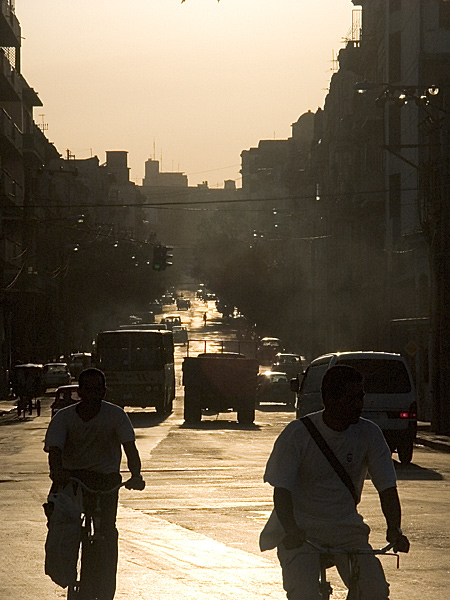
438, 191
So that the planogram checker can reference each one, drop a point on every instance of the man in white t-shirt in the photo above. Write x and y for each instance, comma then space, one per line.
312, 502
85, 441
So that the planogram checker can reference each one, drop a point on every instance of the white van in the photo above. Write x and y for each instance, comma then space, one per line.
389, 401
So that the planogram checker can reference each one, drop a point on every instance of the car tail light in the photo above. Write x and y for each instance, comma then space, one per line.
408, 415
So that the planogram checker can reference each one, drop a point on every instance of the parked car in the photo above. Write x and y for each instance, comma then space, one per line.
291, 364
65, 395
180, 334
55, 375
274, 386
390, 398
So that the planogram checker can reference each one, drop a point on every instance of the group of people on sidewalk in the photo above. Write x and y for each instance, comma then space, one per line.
317, 469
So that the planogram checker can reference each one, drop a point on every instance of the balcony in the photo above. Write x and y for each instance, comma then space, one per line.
29, 94
11, 192
9, 25
10, 84
10, 134
34, 146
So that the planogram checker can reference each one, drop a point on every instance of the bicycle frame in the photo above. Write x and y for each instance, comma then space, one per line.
91, 540
327, 560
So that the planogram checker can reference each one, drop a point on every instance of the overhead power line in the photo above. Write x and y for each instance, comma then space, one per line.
186, 204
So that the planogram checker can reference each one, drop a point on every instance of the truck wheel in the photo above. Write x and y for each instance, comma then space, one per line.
405, 450
246, 415
161, 408
192, 413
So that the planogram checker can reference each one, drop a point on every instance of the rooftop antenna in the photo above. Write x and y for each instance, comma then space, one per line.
42, 126
334, 62
154, 149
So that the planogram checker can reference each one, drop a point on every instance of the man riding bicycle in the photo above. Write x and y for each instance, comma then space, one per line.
84, 441
315, 498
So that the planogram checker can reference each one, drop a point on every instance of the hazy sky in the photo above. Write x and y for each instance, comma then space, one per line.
198, 81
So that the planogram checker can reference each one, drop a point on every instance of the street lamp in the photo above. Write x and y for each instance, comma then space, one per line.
364, 86
435, 187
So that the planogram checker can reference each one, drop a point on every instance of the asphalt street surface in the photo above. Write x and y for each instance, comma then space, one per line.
193, 532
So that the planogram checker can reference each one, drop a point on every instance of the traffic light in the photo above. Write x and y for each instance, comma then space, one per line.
161, 257
166, 255
157, 257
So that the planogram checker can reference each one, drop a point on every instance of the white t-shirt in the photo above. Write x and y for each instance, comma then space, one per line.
94, 445
298, 465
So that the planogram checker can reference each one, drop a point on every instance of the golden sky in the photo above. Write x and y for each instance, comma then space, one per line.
194, 83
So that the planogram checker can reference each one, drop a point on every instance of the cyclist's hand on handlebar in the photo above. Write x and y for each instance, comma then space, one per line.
294, 539
135, 482
400, 541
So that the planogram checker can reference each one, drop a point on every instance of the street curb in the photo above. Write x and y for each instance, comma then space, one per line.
436, 442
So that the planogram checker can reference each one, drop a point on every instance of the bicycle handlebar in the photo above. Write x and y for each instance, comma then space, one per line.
328, 550
100, 492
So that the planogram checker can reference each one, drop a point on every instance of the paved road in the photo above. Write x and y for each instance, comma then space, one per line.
194, 531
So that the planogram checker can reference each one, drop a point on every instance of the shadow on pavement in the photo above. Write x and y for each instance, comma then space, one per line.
413, 472
275, 408
145, 418
220, 424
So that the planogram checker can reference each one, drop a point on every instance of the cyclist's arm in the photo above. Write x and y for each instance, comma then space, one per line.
134, 466
282, 500
57, 473
390, 505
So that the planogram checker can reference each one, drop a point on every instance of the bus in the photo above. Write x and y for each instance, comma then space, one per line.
139, 367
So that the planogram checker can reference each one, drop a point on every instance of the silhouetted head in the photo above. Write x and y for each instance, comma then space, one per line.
343, 395
91, 385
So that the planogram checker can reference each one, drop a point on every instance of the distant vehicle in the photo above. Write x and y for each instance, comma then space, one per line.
139, 367
268, 348
291, 364
55, 375
78, 361
171, 320
145, 316
167, 299
183, 303
147, 326
180, 334
220, 382
274, 386
65, 395
390, 399
155, 307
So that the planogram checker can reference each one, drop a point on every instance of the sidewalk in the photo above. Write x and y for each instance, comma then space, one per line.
7, 406
426, 437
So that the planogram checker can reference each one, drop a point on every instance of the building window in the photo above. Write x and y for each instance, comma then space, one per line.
394, 126
444, 14
395, 195
395, 57
395, 5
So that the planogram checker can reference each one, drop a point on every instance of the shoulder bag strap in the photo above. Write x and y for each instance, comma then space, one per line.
330, 456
